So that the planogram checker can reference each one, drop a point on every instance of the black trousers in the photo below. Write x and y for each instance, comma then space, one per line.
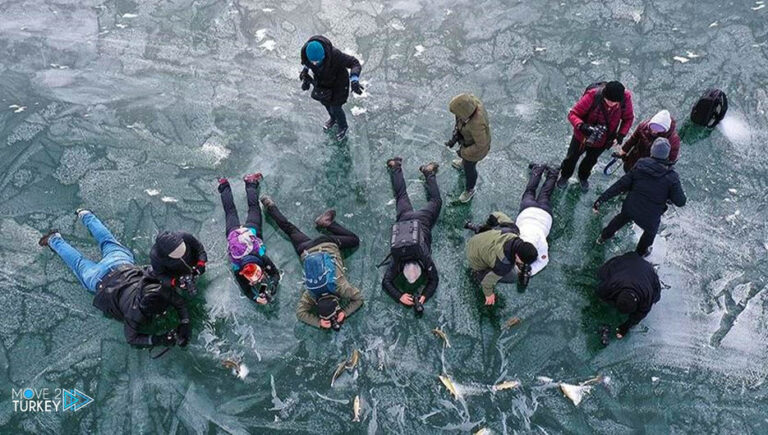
574, 152
530, 199
337, 114
427, 215
231, 219
339, 235
618, 222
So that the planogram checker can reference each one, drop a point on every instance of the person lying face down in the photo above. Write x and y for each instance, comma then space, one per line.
411, 241
177, 254
494, 252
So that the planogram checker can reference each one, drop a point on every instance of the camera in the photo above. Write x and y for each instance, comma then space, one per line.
335, 325
455, 138
470, 226
596, 133
418, 307
524, 276
187, 282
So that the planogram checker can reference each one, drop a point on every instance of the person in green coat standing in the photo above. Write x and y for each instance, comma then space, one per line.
472, 132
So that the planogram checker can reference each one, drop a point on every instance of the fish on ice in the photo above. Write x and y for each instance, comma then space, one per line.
356, 409
439, 332
450, 386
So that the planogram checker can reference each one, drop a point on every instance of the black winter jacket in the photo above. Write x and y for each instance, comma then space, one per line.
166, 269
650, 184
132, 295
629, 271
332, 72
269, 268
395, 269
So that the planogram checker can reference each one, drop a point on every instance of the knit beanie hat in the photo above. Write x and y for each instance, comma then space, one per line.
661, 122
315, 51
526, 251
660, 149
613, 91
170, 244
327, 306
626, 302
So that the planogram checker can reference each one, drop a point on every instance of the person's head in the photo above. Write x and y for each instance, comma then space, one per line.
661, 122
253, 273
328, 307
626, 301
525, 253
170, 244
463, 106
315, 52
660, 149
613, 93
412, 271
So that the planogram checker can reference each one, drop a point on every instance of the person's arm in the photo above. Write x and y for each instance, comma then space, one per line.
674, 147
388, 282
500, 270
632, 141
133, 337
623, 184
197, 248
352, 64
164, 279
677, 195
351, 298
633, 320
627, 116
479, 137
304, 311
578, 113
179, 304
433, 279
270, 267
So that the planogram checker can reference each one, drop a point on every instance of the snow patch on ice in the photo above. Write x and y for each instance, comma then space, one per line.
152, 192
215, 150
681, 59
269, 45
261, 34
169, 199
130, 15
358, 110
419, 50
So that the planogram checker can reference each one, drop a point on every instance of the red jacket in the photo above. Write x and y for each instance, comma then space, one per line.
618, 122
643, 138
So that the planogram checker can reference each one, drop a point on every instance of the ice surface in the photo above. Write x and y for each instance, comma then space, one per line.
133, 109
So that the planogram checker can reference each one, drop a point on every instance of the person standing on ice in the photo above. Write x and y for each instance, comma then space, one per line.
630, 284
639, 144
472, 131
122, 290
330, 79
649, 186
601, 118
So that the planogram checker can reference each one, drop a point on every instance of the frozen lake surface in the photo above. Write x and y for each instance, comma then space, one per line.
133, 108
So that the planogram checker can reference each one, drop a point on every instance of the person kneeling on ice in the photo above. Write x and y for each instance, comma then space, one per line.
328, 298
495, 250
122, 290
411, 242
177, 259
330, 79
650, 185
639, 144
630, 284
254, 271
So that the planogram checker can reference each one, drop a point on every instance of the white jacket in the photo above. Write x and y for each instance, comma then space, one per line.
534, 224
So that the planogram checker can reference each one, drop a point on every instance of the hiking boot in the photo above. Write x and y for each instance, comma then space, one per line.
535, 168
253, 178
584, 186
341, 134
552, 171
329, 124
429, 168
326, 218
44, 240
562, 182
80, 212
394, 163
267, 201
457, 164
600, 240
466, 195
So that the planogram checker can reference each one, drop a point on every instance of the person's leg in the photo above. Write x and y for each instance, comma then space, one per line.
231, 219
571, 157
529, 195
330, 112
614, 225
340, 117
470, 173
343, 237
435, 202
254, 207
111, 250
402, 202
82, 267
546, 191
588, 162
297, 237
646, 241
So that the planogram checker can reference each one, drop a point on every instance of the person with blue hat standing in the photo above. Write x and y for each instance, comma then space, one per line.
330, 79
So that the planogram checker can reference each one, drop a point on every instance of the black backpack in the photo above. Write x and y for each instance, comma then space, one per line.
710, 109
409, 241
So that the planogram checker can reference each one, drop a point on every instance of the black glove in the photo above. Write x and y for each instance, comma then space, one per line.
185, 332
305, 85
596, 205
357, 87
619, 139
163, 340
585, 128
305, 80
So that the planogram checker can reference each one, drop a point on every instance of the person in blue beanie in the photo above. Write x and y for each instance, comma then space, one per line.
330, 79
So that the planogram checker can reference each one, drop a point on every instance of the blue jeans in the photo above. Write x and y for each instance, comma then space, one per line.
88, 272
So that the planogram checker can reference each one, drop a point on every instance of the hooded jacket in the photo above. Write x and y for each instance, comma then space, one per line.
650, 184
491, 253
332, 72
130, 294
350, 297
476, 133
534, 224
617, 121
266, 265
166, 269
641, 140
629, 271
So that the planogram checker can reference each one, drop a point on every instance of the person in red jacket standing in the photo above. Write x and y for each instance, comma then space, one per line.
639, 144
600, 119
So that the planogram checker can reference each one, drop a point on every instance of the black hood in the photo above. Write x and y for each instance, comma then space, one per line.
166, 242
653, 167
327, 47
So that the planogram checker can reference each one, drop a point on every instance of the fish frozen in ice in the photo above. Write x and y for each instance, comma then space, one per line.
439, 332
512, 322
356, 409
507, 385
450, 386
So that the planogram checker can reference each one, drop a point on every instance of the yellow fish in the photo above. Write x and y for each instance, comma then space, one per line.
506, 385
231, 364
442, 335
338, 372
356, 409
353, 360
449, 385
